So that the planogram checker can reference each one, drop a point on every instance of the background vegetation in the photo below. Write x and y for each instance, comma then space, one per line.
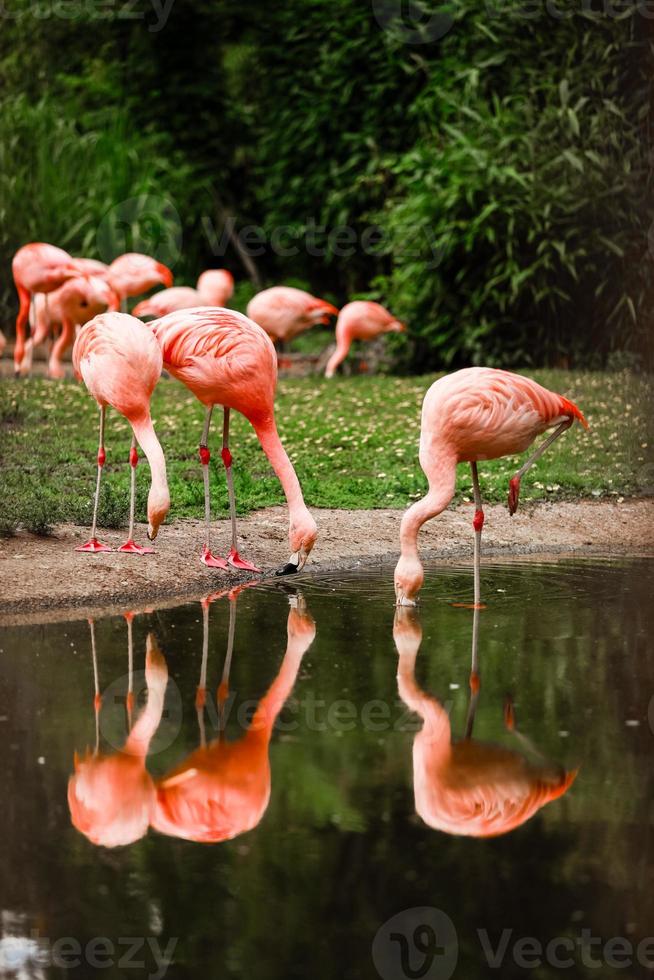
484, 169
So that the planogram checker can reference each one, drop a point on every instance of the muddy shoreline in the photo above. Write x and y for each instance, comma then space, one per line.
45, 579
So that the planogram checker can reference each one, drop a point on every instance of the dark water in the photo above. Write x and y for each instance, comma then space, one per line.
330, 872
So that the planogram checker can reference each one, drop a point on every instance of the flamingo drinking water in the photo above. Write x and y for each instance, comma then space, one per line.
226, 359
474, 414
120, 363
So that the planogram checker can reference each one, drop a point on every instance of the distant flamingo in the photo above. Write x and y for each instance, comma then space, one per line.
471, 415
112, 797
223, 789
70, 306
37, 268
214, 288
360, 320
469, 787
284, 312
133, 273
226, 359
120, 362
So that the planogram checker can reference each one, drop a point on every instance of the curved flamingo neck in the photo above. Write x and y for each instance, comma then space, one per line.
271, 444
441, 490
147, 440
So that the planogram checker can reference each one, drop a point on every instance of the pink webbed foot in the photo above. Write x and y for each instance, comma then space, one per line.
212, 561
514, 494
236, 561
132, 548
93, 547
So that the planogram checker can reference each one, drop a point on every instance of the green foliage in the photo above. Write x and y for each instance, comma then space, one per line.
348, 450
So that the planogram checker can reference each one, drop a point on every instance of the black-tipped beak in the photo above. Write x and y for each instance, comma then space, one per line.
288, 569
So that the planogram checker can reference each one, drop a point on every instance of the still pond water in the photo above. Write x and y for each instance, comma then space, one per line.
287, 806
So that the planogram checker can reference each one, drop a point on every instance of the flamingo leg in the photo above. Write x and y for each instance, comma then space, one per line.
207, 558
478, 524
514, 482
130, 546
223, 688
475, 683
233, 558
22, 319
93, 545
201, 691
129, 699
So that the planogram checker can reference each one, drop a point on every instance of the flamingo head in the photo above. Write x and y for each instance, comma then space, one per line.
158, 507
408, 578
165, 274
302, 537
319, 311
396, 326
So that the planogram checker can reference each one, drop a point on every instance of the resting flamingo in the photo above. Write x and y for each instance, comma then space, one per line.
134, 273
474, 414
120, 362
360, 320
112, 797
469, 787
70, 306
284, 312
214, 288
37, 268
226, 359
223, 789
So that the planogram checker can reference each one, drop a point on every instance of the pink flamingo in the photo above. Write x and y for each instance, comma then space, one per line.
226, 359
120, 362
112, 798
133, 273
91, 267
360, 320
37, 268
284, 312
469, 787
471, 415
223, 789
214, 288
70, 306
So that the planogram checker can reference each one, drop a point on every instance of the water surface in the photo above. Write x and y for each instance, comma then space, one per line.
312, 806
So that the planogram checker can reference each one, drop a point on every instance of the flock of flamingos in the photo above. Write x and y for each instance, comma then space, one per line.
228, 359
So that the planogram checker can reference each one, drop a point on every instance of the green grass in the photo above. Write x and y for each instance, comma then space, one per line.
353, 442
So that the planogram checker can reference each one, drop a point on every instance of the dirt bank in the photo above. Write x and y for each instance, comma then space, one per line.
46, 574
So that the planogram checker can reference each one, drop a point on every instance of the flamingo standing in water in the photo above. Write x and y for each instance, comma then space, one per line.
214, 288
222, 789
70, 306
471, 415
134, 273
226, 359
284, 312
120, 362
469, 787
37, 268
360, 320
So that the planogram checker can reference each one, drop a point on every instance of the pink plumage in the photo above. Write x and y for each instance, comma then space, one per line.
133, 273
37, 268
360, 320
214, 288
226, 359
284, 312
120, 362
472, 415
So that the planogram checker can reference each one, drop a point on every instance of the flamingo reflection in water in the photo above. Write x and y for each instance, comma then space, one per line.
112, 796
223, 788
469, 787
